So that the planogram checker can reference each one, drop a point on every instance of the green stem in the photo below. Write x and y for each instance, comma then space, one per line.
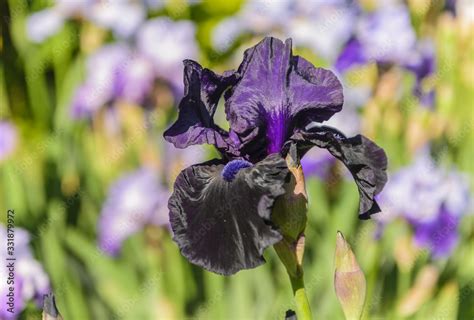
303, 311
372, 273
403, 283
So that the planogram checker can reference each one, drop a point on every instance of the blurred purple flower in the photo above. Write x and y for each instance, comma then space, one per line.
422, 63
31, 282
87, 100
8, 139
122, 17
155, 4
440, 235
352, 54
323, 26
43, 24
423, 60
317, 163
167, 43
432, 199
374, 41
376, 31
103, 68
134, 201
119, 71
134, 81
227, 32
374, 38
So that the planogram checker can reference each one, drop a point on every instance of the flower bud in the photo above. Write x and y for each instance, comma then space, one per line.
349, 280
289, 210
289, 214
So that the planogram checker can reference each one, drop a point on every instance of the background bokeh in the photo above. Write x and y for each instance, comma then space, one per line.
88, 87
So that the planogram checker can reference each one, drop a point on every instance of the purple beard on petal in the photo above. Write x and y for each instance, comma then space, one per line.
233, 167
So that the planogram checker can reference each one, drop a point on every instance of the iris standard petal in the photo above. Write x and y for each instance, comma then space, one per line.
223, 225
274, 89
195, 125
315, 94
365, 160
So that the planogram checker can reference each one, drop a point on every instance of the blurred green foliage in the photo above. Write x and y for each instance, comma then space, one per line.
59, 175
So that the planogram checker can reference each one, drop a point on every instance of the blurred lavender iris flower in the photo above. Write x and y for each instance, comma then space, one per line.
166, 43
376, 32
103, 69
134, 201
422, 63
123, 17
323, 26
30, 280
8, 139
374, 40
432, 199
121, 72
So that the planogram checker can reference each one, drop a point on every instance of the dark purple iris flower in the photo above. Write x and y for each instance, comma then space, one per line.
220, 211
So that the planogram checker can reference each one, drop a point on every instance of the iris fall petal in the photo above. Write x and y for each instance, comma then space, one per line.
224, 226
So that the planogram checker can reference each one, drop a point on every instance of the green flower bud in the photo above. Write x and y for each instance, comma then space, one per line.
349, 280
289, 214
289, 210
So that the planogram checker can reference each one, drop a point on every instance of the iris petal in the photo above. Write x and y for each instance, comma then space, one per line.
275, 90
224, 226
365, 160
195, 124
